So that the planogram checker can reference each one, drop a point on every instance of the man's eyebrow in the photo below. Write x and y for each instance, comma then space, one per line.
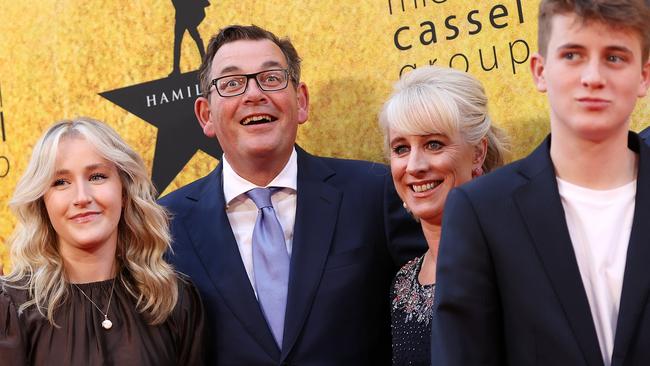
570, 46
574, 46
272, 64
266, 64
618, 48
228, 69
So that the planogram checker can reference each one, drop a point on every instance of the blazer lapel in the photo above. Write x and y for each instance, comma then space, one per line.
316, 216
540, 206
636, 280
215, 244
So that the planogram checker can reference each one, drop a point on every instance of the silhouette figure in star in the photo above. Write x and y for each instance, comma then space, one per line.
189, 14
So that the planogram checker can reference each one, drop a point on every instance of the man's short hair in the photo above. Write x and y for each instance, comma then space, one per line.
234, 33
625, 14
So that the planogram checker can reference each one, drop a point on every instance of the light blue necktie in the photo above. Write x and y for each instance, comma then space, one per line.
270, 262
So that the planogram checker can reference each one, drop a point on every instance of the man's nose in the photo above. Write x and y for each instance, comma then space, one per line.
253, 92
592, 76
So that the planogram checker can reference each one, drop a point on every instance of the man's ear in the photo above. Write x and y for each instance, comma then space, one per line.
202, 111
302, 94
537, 69
645, 79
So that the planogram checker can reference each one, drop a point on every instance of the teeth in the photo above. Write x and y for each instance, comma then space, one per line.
264, 118
425, 187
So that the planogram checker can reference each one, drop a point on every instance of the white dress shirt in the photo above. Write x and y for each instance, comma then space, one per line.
242, 212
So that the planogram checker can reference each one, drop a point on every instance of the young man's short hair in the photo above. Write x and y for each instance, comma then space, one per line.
626, 14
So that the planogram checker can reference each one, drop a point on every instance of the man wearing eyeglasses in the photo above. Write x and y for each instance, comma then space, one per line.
319, 294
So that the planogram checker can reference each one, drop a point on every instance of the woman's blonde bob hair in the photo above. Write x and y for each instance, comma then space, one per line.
143, 229
436, 100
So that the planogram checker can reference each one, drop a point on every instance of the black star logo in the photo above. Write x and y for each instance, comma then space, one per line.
168, 104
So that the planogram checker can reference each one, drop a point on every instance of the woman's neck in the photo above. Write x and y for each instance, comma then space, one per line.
89, 266
427, 275
432, 235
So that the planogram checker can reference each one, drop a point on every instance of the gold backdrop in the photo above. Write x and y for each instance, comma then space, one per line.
57, 55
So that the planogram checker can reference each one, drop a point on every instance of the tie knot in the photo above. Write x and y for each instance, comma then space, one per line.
261, 197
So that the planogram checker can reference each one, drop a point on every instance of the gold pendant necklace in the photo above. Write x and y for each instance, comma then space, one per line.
106, 323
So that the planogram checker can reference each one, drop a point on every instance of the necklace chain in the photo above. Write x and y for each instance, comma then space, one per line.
106, 323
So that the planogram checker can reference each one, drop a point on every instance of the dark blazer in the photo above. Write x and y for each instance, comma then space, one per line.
350, 236
645, 134
509, 291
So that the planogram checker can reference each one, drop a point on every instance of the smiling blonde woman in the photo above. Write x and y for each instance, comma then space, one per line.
89, 285
439, 136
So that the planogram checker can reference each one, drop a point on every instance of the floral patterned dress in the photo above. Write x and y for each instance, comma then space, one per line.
411, 312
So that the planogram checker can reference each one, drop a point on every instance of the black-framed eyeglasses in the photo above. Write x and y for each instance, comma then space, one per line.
267, 80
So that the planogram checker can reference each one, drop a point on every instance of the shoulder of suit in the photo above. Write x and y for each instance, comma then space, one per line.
185, 191
356, 167
496, 185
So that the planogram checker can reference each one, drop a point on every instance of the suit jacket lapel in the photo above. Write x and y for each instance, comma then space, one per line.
316, 216
215, 244
636, 281
542, 211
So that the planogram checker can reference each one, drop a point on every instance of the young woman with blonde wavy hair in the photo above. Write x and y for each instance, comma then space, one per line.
89, 284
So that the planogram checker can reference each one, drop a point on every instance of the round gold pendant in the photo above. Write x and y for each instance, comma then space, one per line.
107, 324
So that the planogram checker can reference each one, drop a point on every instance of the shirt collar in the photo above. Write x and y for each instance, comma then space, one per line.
234, 185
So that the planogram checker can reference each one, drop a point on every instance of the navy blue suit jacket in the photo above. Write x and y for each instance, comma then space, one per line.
350, 236
645, 134
509, 290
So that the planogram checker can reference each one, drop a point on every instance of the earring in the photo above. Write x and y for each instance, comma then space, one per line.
405, 206
477, 172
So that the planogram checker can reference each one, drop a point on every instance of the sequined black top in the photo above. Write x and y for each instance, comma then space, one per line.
411, 312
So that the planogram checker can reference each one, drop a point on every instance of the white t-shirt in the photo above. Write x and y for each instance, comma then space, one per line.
600, 223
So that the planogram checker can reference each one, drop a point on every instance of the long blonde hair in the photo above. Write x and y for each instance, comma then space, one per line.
143, 229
